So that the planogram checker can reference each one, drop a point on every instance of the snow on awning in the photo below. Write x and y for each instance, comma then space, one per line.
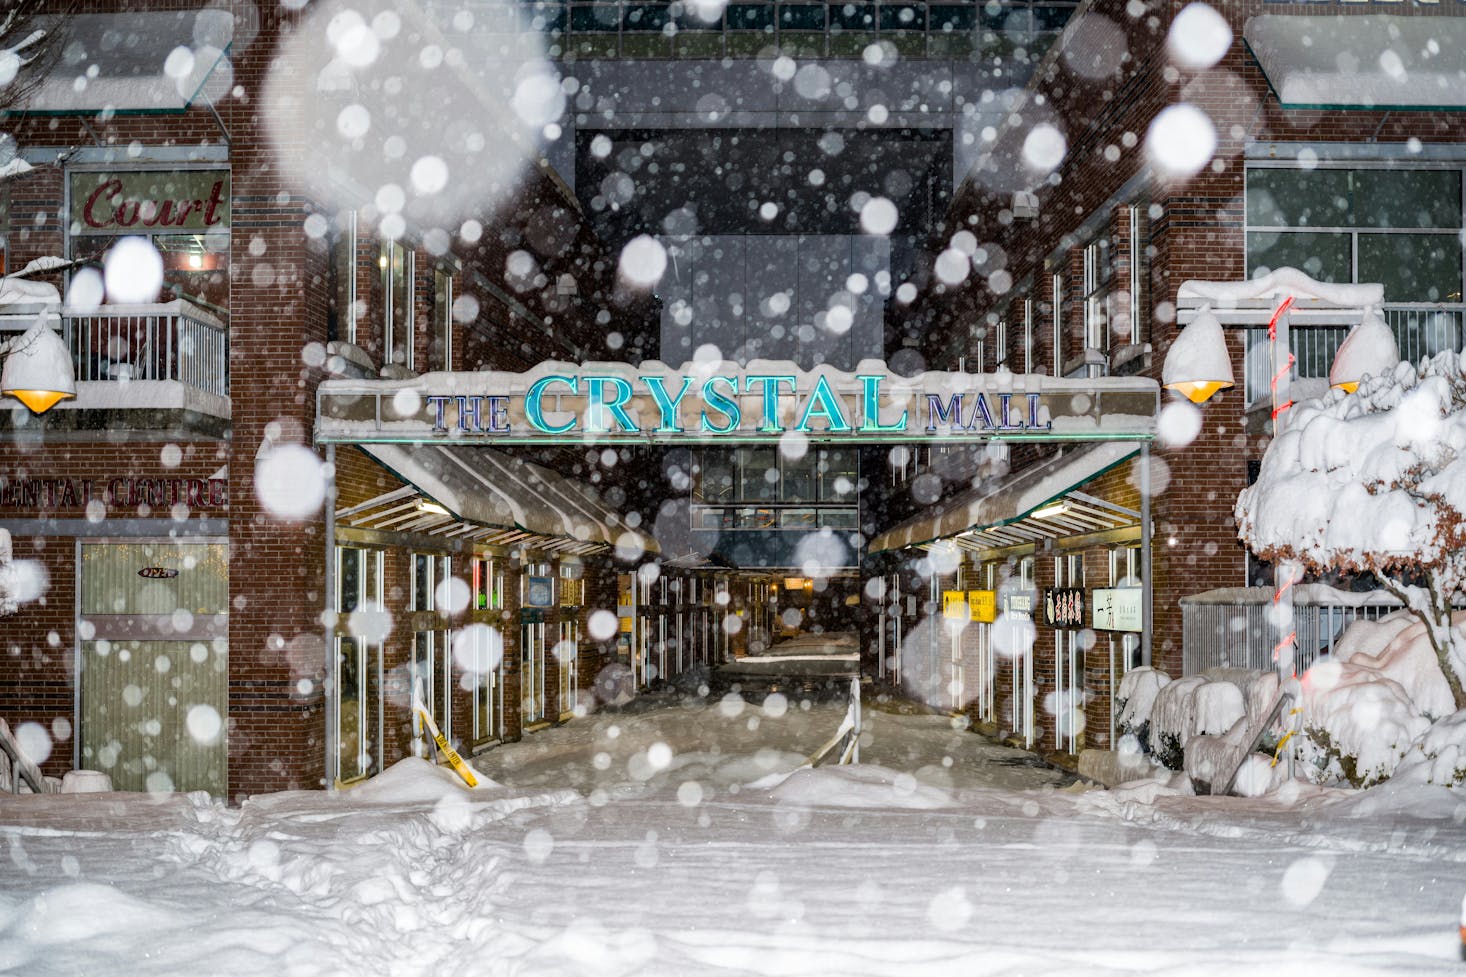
992, 517
1376, 61
158, 61
486, 495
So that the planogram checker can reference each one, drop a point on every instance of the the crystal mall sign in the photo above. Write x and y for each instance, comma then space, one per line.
722, 404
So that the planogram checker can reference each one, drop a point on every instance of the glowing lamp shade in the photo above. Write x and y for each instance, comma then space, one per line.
1198, 364
1368, 350
38, 371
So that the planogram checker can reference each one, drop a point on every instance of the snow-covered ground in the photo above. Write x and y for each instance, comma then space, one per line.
670, 839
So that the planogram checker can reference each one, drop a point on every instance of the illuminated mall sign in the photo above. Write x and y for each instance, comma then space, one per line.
707, 404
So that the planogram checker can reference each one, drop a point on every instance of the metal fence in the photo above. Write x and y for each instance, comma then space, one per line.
1230, 628
1420, 331
170, 341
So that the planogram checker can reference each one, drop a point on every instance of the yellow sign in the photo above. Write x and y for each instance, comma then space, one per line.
626, 623
449, 754
983, 605
954, 605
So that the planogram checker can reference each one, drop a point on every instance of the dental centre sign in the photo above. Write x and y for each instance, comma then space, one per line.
703, 404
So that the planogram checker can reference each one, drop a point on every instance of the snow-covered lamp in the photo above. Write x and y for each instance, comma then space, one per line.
1198, 364
38, 370
1368, 350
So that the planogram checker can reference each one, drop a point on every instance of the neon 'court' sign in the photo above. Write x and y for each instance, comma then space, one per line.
613, 402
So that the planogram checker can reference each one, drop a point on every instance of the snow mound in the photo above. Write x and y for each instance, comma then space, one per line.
1439, 757
1408, 659
859, 785
1371, 637
1358, 722
84, 911
415, 781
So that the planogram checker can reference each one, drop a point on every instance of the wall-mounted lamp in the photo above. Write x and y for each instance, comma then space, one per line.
1198, 364
1368, 350
38, 372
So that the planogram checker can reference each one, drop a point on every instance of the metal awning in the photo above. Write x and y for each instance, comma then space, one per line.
1375, 61
1006, 515
488, 496
151, 61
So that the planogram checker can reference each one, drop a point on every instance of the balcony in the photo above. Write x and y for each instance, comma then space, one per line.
163, 366
1421, 330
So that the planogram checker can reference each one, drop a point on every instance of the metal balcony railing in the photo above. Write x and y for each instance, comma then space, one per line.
1420, 330
175, 340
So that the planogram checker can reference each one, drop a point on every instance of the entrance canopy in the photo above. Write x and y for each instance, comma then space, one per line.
1036, 505
723, 403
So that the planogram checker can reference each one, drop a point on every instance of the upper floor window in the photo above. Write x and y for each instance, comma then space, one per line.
1399, 227
184, 213
396, 264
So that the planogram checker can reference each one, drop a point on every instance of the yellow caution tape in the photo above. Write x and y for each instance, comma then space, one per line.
451, 755
1286, 737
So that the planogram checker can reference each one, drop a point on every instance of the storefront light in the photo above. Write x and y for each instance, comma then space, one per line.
38, 370
1050, 510
428, 505
1198, 364
1368, 350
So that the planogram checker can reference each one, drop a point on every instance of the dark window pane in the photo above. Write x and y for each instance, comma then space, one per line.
1324, 256
644, 17
1051, 18
802, 17
350, 584
953, 18
750, 16
1406, 198
1002, 18
1412, 267
854, 16
592, 19
1297, 198
902, 17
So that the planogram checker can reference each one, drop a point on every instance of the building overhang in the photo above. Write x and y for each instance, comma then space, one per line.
143, 62
1036, 507
485, 496
1366, 62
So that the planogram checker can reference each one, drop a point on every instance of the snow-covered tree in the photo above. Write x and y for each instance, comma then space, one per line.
31, 38
1376, 481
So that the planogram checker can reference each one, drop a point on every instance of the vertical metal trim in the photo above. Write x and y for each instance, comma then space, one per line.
1057, 305
1136, 334
333, 732
1147, 589
76, 731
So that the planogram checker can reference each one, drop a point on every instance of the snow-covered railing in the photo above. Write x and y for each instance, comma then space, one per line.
16, 769
175, 340
847, 736
1229, 627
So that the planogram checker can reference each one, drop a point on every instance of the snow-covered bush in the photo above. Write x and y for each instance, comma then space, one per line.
1173, 719
1134, 700
1438, 757
1365, 709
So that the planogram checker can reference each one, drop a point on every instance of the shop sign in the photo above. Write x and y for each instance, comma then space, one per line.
157, 573
1018, 606
149, 201
720, 402
954, 605
1118, 609
1063, 607
982, 605
539, 592
123, 492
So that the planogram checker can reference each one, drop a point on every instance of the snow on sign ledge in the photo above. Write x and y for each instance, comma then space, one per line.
722, 403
